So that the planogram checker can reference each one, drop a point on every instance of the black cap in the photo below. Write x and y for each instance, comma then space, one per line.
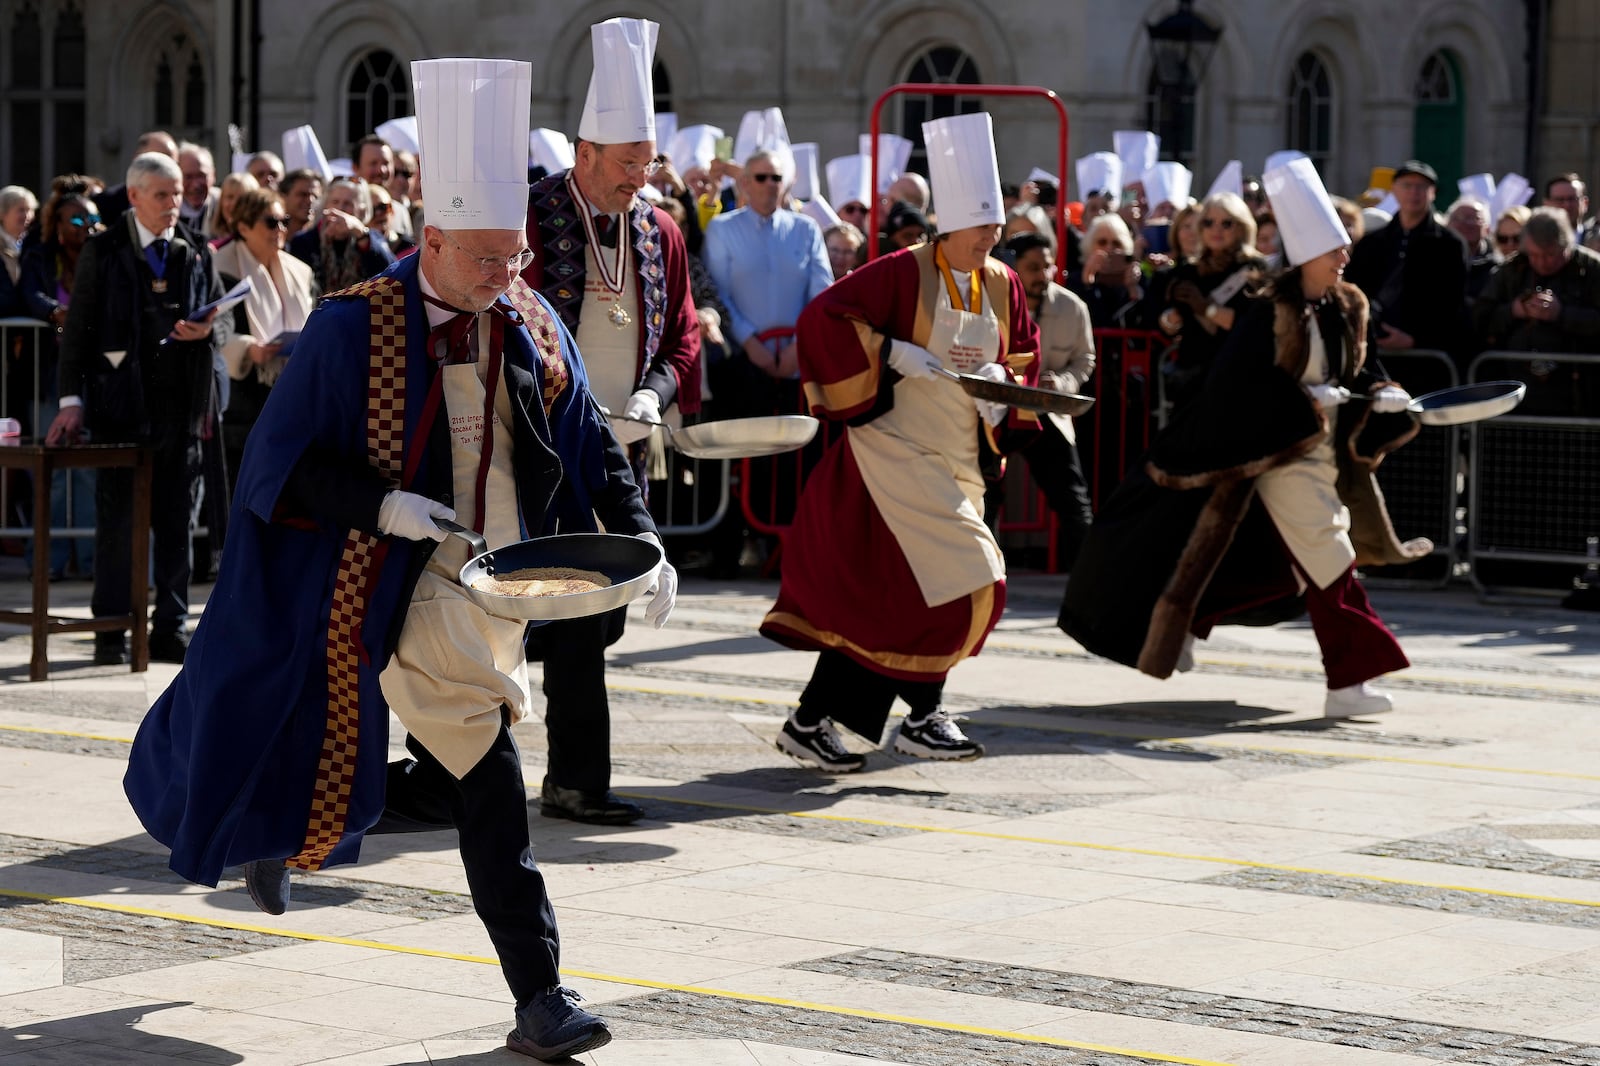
1420, 169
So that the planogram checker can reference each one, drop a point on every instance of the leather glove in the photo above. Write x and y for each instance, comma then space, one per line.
664, 592
1328, 395
913, 360
643, 405
405, 514
991, 412
1389, 400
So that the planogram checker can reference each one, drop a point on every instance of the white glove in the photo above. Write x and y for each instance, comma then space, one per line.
1389, 400
1328, 395
988, 410
665, 590
643, 405
913, 360
405, 514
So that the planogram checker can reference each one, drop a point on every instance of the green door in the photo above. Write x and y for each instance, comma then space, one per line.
1439, 127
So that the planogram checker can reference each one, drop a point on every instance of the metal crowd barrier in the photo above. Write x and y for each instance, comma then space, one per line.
1420, 480
1118, 429
1534, 497
693, 498
24, 343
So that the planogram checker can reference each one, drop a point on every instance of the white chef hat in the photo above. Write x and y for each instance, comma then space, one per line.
401, 133
894, 152
963, 172
1139, 150
850, 180
1478, 187
1100, 172
764, 131
302, 150
550, 149
806, 185
1041, 174
1168, 183
666, 129
470, 118
818, 210
620, 107
694, 146
1230, 179
1513, 190
1308, 225
342, 166
239, 162
1281, 159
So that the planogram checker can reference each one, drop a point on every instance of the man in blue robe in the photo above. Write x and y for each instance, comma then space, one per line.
407, 398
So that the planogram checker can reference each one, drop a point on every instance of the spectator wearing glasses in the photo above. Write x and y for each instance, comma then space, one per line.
1568, 193
617, 273
845, 245
283, 293
1508, 230
1203, 297
403, 189
1545, 298
850, 189
49, 271
341, 249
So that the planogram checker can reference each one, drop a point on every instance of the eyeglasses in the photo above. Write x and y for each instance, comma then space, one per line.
83, 220
495, 265
1506, 238
274, 222
1225, 223
776, 179
403, 173
851, 209
644, 170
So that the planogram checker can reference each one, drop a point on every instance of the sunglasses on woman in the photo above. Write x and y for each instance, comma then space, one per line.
1225, 223
275, 222
764, 178
1505, 240
81, 221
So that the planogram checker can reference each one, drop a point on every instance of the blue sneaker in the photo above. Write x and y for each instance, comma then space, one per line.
551, 1026
268, 883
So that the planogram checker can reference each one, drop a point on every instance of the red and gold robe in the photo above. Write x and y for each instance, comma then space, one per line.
888, 560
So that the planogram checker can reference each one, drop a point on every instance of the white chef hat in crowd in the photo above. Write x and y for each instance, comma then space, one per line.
819, 211
302, 150
471, 114
1479, 187
694, 146
1100, 172
1229, 179
1308, 225
806, 185
850, 180
764, 131
620, 107
894, 152
1139, 150
400, 133
1280, 159
1513, 190
1168, 183
550, 149
963, 172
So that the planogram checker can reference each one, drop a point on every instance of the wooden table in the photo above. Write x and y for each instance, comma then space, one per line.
41, 462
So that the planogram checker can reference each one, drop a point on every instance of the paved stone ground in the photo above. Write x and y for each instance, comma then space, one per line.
1194, 871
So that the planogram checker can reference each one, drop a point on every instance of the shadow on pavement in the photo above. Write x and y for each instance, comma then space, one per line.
99, 1037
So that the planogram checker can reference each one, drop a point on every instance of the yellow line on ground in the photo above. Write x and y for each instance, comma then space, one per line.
63, 733
1121, 849
616, 979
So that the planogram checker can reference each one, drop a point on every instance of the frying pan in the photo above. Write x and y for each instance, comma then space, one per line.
630, 562
1025, 397
1465, 403
738, 438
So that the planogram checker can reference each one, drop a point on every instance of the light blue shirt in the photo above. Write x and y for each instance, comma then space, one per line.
766, 269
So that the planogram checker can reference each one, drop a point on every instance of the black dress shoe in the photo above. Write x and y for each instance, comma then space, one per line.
595, 808
169, 647
268, 883
110, 651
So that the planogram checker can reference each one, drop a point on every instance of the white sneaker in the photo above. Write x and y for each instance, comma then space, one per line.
1356, 701
1185, 661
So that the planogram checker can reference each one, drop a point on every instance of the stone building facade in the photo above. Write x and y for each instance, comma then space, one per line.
1352, 82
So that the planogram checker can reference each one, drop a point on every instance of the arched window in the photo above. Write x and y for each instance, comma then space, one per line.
1439, 122
940, 65
662, 81
180, 87
42, 100
1169, 113
378, 91
1310, 112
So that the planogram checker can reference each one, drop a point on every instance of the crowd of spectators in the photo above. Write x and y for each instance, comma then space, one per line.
1459, 280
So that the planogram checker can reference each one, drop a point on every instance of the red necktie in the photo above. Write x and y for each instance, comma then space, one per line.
451, 340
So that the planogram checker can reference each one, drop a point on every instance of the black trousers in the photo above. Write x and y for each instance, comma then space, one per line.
175, 461
489, 810
577, 713
1053, 462
860, 699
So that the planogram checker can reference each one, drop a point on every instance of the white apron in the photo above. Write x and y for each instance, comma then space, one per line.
455, 665
920, 460
1302, 497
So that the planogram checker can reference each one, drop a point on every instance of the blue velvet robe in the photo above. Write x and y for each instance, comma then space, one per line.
222, 769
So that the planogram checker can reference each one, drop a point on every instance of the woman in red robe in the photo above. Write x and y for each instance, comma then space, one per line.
888, 570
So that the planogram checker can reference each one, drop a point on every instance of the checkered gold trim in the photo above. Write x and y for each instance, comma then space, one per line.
358, 563
542, 328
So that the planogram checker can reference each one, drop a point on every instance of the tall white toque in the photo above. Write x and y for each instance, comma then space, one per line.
850, 180
806, 185
894, 152
1100, 172
1229, 179
400, 133
1139, 150
302, 150
621, 106
962, 171
472, 121
550, 149
1308, 226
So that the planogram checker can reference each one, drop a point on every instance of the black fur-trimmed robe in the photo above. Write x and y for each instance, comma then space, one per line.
1185, 538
